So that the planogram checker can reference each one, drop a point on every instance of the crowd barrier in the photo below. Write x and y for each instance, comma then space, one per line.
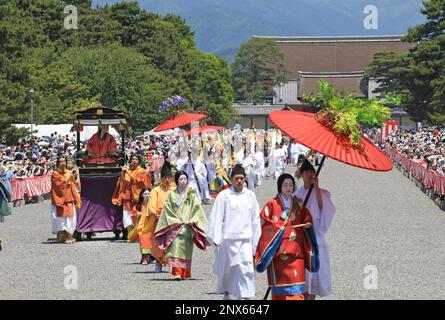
431, 182
31, 187
38, 186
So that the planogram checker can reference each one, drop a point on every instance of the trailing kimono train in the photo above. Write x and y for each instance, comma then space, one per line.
181, 224
285, 250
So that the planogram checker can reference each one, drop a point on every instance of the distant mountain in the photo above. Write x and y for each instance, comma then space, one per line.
221, 26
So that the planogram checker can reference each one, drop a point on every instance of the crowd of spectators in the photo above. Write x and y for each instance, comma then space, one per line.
37, 157
425, 146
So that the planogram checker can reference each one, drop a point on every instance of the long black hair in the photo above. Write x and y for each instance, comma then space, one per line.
281, 180
180, 173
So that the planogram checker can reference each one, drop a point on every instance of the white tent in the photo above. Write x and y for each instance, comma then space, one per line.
63, 129
160, 133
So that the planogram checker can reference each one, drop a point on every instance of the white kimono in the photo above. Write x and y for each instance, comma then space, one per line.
319, 283
249, 167
203, 191
234, 227
279, 156
295, 152
259, 167
180, 162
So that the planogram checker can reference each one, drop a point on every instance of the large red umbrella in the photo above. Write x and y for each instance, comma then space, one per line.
203, 129
179, 121
305, 129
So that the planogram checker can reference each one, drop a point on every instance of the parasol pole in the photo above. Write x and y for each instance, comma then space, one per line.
304, 204
312, 184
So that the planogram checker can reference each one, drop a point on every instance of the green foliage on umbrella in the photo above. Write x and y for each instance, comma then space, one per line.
347, 113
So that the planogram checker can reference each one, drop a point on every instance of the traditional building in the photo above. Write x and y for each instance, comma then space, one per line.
341, 61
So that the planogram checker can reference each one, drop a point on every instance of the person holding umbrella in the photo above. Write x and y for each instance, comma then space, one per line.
323, 211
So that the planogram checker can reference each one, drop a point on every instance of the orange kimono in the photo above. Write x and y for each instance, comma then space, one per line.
129, 187
127, 192
64, 194
148, 222
98, 149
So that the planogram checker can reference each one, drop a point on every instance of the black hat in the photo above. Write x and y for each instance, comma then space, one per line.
301, 158
306, 166
238, 169
166, 170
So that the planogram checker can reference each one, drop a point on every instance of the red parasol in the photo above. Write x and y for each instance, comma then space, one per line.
179, 121
203, 129
305, 129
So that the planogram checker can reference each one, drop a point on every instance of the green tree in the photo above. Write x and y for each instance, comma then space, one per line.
418, 76
257, 68
120, 56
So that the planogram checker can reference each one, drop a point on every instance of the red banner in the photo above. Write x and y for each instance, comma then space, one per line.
429, 178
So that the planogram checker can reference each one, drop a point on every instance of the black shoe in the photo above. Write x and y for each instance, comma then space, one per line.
116, 235
124, 234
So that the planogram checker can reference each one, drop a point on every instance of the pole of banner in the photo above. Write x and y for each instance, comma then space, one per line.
304, 204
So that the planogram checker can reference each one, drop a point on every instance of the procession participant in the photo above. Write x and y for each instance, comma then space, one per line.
295, 152
279, 156
101, 147
138, 232
210, 165
151, 215
249, 167
222, 180
282, 247
197, 173
5, 197
133, 180
181, 224
65, 199
234, 228
322, 211
259, 165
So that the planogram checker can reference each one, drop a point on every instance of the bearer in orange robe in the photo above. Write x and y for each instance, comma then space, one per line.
134, 179
65, 199
101, 147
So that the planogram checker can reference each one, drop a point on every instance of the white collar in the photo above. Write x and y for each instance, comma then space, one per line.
234, 191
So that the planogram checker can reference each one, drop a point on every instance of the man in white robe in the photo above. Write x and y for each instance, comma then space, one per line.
234, 227
279, 155
322, 211
197, 173
249, 167
259, 167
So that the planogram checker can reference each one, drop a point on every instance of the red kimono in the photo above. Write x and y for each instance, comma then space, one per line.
284, 250
98, 149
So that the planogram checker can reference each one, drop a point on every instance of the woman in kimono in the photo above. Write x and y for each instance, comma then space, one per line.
322, 210
181, 224
285, 249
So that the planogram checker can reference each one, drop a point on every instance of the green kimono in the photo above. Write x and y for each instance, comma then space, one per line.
181, 224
